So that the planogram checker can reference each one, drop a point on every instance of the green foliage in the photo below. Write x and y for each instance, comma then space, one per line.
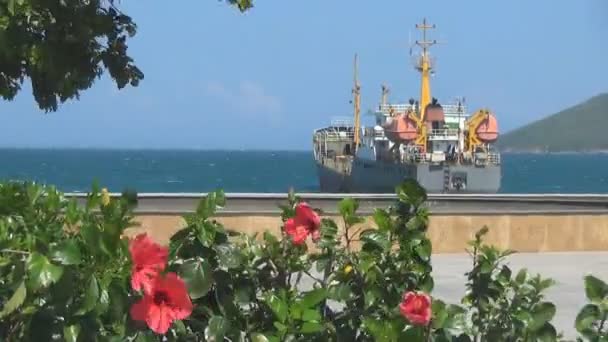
57, 271
65, 275
503, 308
591, 320
63, 46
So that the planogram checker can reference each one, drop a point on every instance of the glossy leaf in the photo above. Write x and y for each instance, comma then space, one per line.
217, 328
198, 276
278, 306
91, 296
595, 289
542, 314
67, 253
521, 276
311, 327
70, 333
547, 333
310, 315
15, 301
41, 272
411, 192
589, 314
376, 240
312, 298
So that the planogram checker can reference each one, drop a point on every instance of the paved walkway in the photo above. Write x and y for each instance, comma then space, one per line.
567, 269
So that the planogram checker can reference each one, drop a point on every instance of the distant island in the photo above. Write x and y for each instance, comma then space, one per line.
582, 128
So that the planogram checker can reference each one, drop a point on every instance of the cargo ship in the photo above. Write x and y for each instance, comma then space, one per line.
442, 146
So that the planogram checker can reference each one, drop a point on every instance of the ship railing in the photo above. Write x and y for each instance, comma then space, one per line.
444, 134
448, 109
335, 136
412, 157
494, 158
342, 122
371, 132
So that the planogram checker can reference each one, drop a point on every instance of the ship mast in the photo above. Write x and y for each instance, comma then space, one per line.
424, 66
384, 100
357, 102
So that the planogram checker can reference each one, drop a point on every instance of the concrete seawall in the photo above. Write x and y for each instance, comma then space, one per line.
522, 222
448, 233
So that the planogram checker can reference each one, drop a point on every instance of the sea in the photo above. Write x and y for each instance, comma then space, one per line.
174, 171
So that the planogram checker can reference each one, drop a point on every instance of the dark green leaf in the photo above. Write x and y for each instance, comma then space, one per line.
440, 314
67, 253
94, 239
589, 314
383, 219
521, 276
311, 327
547, 333
381, 330
595, 289
412, 334
310, 315
180, 327
278, 306
15, 301
341, 292
541, 314
197, 275
374, 239
90, 296
70, 333
314, 297
41, 272
225, 295
206, 233
217, 328
427, 284
208, 205
411, 192
424, 250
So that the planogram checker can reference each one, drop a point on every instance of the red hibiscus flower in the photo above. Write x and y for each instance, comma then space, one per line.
168, 301
149, 259
416, 307
306, 222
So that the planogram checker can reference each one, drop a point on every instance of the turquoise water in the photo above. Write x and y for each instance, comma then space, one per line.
263, 171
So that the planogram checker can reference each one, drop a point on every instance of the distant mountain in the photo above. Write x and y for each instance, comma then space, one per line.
582, 128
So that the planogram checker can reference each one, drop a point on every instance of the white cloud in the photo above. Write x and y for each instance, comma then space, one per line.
248, 98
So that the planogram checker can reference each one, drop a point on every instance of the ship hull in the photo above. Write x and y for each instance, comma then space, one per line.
364, 176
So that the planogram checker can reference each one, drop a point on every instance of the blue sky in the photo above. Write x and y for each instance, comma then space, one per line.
216, 78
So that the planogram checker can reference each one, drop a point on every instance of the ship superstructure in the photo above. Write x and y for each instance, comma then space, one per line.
441, 145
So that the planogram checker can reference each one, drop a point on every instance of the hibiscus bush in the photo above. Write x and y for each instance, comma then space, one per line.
71, 271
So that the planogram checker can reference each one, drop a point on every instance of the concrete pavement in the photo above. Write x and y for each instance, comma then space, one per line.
567, 269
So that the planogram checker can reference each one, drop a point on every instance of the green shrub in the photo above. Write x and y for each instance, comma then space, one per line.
67, 272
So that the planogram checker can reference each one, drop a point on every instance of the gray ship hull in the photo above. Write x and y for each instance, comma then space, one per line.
364, 176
